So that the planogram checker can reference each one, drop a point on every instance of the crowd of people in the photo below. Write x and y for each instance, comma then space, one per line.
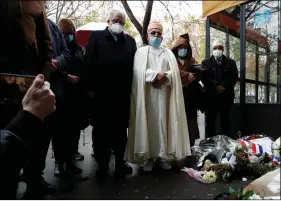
141, 102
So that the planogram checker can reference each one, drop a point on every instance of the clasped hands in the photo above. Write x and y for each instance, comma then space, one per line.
160, 80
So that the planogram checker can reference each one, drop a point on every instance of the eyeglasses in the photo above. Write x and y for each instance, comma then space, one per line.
155, 33
218, 47
118, 21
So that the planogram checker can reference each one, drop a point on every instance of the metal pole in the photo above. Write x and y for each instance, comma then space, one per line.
227, 46
208, 37
279, 55
242, 66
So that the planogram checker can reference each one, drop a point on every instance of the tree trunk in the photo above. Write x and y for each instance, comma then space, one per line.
141, 29
146, 21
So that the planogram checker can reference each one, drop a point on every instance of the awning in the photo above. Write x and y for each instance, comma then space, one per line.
211, 7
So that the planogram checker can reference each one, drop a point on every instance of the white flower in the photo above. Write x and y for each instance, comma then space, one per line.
255, 197
210, 177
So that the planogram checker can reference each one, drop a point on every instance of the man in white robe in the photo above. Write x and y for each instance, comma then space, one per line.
157, 127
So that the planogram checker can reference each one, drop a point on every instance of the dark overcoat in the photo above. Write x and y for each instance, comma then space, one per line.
226, 75
109, 72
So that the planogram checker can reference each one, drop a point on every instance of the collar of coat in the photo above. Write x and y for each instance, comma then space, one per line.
121, 36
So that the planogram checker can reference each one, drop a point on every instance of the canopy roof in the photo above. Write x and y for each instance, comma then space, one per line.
211, 7
92, 26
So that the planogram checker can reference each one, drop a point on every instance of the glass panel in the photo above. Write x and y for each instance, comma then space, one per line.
250, 93
262, 29
250, 61
237, 93
262, 94
273, 95
234, 51
262, 61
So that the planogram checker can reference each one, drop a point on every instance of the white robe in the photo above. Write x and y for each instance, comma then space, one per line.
157, 126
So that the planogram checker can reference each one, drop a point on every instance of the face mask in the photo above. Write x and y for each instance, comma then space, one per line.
182, 52
116, 28
217, 53
70, 38
155, 41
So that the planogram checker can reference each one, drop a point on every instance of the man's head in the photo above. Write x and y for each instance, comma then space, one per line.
116, 21
182, 48
218, 49
154, 34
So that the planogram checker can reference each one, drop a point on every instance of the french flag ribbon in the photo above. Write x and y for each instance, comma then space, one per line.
276, 160
244, 142
257, 149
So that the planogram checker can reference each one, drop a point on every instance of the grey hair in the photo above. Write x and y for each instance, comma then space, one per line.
113, 12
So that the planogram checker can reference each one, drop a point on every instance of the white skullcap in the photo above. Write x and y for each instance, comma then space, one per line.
217, 42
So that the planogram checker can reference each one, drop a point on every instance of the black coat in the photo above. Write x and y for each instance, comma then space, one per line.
109, 73
226, 75
75, 95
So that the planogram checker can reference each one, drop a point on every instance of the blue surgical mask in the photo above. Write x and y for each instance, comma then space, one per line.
70, 38
155, 41
182, 52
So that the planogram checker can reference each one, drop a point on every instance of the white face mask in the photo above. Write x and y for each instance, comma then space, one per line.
217, 53
116, 28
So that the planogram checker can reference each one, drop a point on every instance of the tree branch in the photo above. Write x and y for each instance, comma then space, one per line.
132, 17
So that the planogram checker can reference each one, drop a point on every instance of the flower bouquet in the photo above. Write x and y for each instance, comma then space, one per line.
238, 195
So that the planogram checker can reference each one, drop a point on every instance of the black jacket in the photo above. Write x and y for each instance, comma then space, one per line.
109, 73
226, 75
24, 130
62, 54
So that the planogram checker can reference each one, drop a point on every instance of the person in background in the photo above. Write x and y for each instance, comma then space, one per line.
25, 44
76, 111
109, 70
55, 122
191, 89
157, 128
26, 128
222, 75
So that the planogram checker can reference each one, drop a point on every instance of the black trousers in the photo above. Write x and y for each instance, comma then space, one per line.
223, 108
107, 139
55, 131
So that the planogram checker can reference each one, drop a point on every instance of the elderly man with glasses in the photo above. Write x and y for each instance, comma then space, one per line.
219, 83
158, 127
108, 77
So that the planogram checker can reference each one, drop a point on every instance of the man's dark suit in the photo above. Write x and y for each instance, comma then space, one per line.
226, 75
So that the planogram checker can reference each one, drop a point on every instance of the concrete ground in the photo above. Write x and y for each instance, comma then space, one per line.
156, 185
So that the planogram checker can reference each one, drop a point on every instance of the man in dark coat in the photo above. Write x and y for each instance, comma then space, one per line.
221, 77
109, 70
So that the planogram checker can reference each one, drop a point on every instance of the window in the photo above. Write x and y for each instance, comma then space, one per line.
250, 93
273, 95
261, 94
250, 61
237, 93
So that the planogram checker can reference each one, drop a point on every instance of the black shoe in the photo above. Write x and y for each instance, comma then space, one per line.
38, 190
93, 154
59, 169
47, 188
102, 175
71, 168
78, 157
123, 169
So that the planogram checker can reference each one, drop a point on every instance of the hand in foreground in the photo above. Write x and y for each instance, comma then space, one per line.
39, 99
73, 79
220, 89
